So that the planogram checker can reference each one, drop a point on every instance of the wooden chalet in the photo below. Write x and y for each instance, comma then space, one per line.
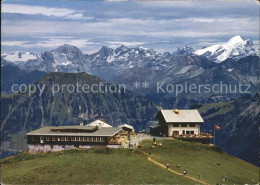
52, 138
180, 124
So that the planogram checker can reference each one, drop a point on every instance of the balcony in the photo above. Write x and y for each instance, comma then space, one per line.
193, 136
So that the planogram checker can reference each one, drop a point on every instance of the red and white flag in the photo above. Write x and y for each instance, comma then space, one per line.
217, 127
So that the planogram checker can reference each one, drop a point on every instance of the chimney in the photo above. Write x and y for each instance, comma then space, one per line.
81, 123
99, 126
176, 111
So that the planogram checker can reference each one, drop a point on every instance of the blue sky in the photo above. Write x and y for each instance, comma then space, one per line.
37, 26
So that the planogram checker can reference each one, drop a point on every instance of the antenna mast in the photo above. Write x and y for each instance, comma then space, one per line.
176, 101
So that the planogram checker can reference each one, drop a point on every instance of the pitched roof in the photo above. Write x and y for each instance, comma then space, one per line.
75, 131
126, 125
99, 123
181, 116
155, 126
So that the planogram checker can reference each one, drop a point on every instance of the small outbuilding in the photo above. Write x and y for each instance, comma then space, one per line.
126, 127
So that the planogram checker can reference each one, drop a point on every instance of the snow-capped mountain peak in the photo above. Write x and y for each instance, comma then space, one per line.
19, 57
184, 51
234, 40
235, 48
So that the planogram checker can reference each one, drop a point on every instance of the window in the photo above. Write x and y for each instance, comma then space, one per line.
183, 132
175, 124
41, 139
81, 138
187, 132
62, 138
72, 138
192, 124
66, 138
54, 138
33, 138
47, 138
192, 132
77, 138
85, 138
184, 125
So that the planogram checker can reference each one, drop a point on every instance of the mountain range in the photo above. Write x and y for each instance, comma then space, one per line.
233, 62
109, 63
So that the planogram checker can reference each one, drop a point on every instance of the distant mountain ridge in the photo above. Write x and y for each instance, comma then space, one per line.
239, 122
12, 75
109, 63
125, 65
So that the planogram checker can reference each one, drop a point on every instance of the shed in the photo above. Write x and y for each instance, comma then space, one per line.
126, 127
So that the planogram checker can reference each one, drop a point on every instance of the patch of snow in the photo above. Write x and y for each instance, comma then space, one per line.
124, 56
148, 54
3, 54
66, 63
18, 57
197, 72
211, 49
143, 48
60, 59
184, 70
230, 70
110, 58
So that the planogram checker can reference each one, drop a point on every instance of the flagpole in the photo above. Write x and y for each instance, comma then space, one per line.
214, 135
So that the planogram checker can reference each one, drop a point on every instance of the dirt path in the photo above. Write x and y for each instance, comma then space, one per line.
177, 173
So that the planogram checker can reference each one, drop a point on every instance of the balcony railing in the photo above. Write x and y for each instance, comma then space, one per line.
192, 136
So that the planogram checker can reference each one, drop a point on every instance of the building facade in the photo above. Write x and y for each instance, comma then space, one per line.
67, 137
177, 123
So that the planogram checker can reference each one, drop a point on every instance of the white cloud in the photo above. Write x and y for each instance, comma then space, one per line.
188, 27
42, 10
113, 27
50, 43
13, 43
118, 43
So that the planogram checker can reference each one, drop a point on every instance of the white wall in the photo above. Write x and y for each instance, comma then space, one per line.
180, 129
37, 148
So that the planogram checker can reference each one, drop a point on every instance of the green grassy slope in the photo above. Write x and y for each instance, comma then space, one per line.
94, 166
203, 160
122, 166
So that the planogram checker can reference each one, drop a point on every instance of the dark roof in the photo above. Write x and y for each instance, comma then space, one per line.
75, 131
